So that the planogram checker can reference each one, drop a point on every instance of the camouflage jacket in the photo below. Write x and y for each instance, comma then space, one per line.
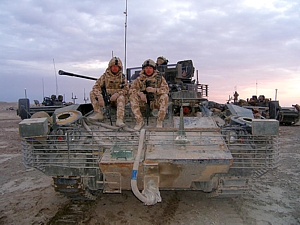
112, 82
155, 81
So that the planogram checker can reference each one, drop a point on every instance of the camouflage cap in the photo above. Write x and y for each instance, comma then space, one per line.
149, 62
115, 61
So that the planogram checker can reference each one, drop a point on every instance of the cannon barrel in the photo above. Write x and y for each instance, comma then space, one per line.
61, 72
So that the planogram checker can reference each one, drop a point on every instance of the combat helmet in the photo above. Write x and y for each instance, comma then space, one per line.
161, 60
149, 62
115, 61
53, 97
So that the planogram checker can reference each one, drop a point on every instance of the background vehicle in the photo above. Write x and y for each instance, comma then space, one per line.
49, 105
269, 109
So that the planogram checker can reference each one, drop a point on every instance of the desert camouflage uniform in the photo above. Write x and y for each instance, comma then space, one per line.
160, 96
114, 83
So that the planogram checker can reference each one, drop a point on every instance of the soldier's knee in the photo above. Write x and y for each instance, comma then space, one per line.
121, 98
133, 98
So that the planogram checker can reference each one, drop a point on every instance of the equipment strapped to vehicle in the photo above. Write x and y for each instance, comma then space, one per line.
68, 117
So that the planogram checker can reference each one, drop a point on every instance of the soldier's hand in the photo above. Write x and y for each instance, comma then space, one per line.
151, 89
142, 96
114, 97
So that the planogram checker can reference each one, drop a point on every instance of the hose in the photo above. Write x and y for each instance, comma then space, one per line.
150, 195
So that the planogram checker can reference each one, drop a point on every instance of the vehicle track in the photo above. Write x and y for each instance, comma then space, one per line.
178, 207
75, 212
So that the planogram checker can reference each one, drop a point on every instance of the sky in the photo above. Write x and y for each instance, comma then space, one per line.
250, 46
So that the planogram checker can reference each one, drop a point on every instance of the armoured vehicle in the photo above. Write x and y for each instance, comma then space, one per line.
195, 150
49, 105
285, 115
270, 109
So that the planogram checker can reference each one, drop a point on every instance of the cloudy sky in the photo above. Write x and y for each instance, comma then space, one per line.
248, 46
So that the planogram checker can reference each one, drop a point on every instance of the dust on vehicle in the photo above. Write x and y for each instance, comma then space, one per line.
197, 149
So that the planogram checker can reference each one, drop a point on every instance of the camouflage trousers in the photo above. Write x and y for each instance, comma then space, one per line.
160, 102
119, 104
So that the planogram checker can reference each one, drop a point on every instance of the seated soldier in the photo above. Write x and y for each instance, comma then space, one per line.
116, 85
60, 100
149, 82
53, 99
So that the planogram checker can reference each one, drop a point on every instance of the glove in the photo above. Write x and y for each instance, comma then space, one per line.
142, 96
114, 97
151, 89
100, 101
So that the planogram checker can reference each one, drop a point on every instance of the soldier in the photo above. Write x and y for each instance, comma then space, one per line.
161, 61
236, 97
116, 85
149, 83
53, 99
161, 64
60, 99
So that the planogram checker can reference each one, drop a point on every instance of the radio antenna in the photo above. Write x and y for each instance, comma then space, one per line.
55, 78
256, 88
43, 88
125, 40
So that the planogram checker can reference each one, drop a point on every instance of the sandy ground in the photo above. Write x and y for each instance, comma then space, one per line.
28, 197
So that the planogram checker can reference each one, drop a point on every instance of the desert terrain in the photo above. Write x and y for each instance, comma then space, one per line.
28, 196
